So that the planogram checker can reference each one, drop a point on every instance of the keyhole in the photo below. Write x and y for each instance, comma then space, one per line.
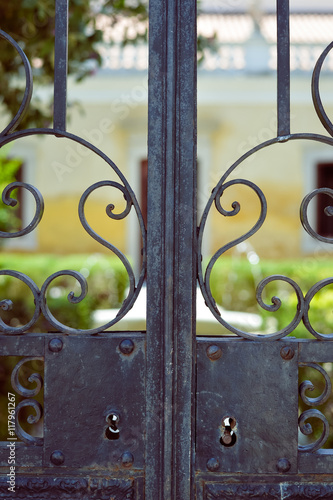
228, 437
112, 432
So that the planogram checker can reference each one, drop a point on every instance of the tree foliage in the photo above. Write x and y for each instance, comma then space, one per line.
31, 23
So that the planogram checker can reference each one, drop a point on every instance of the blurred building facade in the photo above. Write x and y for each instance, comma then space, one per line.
236, 112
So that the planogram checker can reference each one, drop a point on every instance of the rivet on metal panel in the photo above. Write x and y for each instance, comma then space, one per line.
283, 465
55, 345
57, 457
213, 464
214, 352
126, 346
287, 353
127, 459
112, 432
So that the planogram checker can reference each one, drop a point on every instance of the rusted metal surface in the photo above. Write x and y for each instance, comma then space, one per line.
131, 415
91, 388
247, 408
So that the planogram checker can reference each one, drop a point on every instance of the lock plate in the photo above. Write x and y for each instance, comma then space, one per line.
92, 379
257, 390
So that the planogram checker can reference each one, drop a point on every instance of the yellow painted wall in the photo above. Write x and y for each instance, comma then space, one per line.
60, 230
235, 114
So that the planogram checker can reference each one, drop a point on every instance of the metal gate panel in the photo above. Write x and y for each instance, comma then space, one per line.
251, 385
123, 405
320, 462
18, 346
85, 380
93, 380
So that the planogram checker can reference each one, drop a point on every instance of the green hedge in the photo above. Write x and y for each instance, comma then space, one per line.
233, 284
106, 277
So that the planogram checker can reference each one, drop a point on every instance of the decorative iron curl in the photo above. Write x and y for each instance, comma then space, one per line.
11, 202
308, 385
205, 282
28, 86
309, 296
34, 377
71, 298
133, 290
32, 419
236, 208
110, 212
28, 393
304, 213
326, 122
276, 304
130, 198
306, 429
7, 304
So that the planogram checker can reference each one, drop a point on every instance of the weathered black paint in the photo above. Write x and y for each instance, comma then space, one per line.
157, 415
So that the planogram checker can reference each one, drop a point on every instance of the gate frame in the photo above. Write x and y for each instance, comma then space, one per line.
171, 254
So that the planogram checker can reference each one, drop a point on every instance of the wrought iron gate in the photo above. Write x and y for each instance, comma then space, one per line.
206, 418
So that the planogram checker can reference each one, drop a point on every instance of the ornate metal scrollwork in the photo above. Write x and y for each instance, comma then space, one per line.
205, 283
35, 377
27, 393
303, 303
309, 296
304, 426
306, 385
306, 429
304, 214
8, 305
12, 203
32, 419
276, 304
8, 135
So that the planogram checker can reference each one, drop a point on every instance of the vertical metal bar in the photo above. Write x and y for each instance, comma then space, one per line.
60, 65
283, 67
171, 256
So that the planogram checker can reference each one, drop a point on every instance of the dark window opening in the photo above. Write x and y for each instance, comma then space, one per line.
324, 179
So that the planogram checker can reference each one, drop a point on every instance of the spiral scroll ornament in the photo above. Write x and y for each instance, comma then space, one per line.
205, 282
36, 416
10, 134
307, 385
33, 378
306, 429
32, 419
308, 298
6, 304
304, 426
304, 213
11, 202
216, 198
